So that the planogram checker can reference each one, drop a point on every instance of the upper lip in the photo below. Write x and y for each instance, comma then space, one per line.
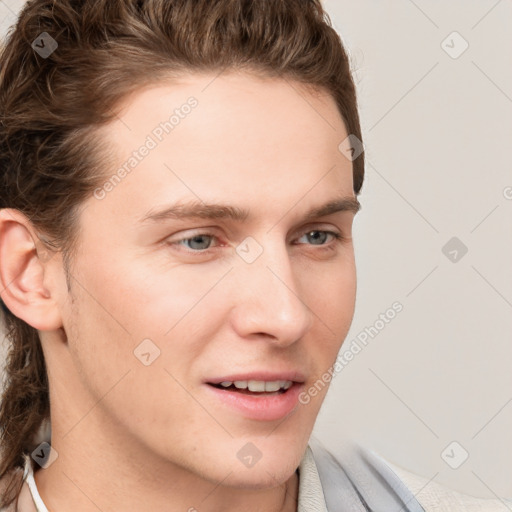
267, 376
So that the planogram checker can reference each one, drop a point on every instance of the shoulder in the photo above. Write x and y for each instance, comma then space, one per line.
359, 475
434, 496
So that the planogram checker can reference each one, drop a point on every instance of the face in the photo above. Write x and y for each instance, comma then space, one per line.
167, 311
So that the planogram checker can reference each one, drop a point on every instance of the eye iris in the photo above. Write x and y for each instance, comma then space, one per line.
196, 238
318, 237
322, 235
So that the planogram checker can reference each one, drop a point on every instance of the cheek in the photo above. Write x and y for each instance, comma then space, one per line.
132, 315
331, 297
111, 321
330, 293
156, 298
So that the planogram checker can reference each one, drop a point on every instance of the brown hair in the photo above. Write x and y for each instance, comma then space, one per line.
51, 106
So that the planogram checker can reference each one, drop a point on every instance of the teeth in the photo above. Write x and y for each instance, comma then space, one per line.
256, 385
270, 386
259, 386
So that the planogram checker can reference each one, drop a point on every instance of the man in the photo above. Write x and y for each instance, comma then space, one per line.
177, 265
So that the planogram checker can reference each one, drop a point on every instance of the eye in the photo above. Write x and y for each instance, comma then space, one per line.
201, 243
197, 242
313, 235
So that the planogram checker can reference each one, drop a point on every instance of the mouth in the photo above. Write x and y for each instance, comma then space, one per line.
263, 398
255, 387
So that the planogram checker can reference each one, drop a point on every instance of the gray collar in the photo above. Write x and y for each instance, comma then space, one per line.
358, 480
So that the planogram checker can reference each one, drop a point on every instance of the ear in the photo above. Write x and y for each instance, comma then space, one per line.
23, 261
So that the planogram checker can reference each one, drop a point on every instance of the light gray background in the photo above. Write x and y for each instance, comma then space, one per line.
437, 132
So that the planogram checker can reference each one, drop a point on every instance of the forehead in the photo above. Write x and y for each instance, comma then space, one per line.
246, 107
229, 135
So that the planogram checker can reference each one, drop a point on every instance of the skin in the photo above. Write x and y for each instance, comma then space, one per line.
152, 435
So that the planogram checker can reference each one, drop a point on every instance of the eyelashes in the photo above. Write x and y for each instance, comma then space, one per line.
181, 243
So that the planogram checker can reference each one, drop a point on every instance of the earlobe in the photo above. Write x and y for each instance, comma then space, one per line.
23, 260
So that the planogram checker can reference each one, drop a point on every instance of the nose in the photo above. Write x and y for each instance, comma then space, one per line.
268, 299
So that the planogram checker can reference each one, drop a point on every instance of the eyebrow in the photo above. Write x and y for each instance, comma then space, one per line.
196, 209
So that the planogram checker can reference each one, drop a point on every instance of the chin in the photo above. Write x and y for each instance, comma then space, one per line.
266, 476
271, 466
278, 462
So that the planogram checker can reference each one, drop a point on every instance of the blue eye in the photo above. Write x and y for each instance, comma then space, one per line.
196, 240
323, 235
199, 243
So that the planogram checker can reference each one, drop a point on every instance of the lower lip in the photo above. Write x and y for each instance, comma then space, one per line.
260, 407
